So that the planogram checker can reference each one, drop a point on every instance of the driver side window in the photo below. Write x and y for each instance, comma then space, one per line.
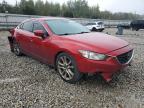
38, 26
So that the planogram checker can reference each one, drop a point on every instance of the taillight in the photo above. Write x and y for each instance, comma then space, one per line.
12, 31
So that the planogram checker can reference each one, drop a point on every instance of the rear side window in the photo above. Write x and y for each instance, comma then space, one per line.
27, 26
100, 23
91, 24
20, 26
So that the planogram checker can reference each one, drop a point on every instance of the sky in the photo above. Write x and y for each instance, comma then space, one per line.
133, 6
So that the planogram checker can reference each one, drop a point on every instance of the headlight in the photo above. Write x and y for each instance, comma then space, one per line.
93, 55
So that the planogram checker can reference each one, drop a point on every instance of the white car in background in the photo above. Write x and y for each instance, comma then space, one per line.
96, 26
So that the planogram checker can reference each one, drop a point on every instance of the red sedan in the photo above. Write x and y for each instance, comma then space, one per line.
70, 47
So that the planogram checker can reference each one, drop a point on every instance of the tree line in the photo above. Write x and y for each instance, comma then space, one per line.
73, 9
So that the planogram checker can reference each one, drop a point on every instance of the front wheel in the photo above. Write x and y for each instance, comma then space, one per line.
101, 30
67, 69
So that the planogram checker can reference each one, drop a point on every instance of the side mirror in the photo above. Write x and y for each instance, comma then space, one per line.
39, 33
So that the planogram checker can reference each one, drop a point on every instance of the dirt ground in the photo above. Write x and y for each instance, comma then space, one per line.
27, 83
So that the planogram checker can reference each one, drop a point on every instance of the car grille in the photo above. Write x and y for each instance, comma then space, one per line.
125, 57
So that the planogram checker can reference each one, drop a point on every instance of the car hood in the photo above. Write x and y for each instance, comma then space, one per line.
98, 42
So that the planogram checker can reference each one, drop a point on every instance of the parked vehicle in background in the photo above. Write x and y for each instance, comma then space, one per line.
137, 24
124, 25
95, 26
70, 47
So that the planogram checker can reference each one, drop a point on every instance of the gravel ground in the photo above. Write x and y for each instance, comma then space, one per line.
27, 83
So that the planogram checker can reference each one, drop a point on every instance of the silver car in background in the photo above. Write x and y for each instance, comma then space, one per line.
96, 26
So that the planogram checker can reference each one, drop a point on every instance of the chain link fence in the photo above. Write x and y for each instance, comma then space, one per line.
8, 21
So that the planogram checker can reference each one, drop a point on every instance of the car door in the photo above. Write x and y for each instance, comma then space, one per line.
89, 26
24, 33
38, 43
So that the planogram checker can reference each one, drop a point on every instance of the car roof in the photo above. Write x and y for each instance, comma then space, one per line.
45, 18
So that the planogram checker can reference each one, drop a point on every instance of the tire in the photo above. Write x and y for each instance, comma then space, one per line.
101, 30
94, 29
17, 49
67, 68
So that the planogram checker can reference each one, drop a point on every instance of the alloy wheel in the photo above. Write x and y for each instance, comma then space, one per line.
16, 49
65, 67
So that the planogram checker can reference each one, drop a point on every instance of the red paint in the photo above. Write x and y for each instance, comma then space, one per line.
46, 49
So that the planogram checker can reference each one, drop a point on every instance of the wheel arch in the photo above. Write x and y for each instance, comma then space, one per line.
93, 28
55, 58
59, 52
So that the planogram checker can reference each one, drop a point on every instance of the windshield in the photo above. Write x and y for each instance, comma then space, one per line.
100, 23
66, 27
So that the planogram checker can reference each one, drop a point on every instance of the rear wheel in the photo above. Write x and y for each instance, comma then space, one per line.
94, 29
16, 49
67, 69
